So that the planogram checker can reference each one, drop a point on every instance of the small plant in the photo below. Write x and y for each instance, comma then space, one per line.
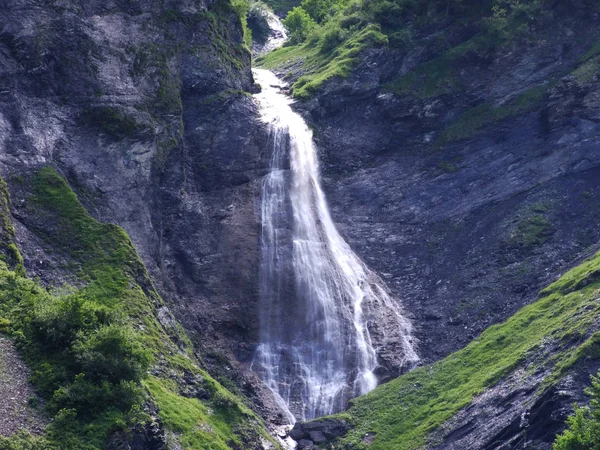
299, 25
532, 231
110, 120
583, 427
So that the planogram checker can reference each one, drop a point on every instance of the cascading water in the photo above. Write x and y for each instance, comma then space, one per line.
319, 302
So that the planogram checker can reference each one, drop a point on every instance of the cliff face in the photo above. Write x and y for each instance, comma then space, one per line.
469, 179
144, 107
470, 195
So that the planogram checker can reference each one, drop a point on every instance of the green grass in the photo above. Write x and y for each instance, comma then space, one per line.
405, 411
532, 231
200, 427
475, 119
9, 253
435, 77
319, 67
112, 284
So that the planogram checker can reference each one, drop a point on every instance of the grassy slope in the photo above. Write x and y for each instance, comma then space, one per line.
113, 277
333, 48
403, 412
320, 66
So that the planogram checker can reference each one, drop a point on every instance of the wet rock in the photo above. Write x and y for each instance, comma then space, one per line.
319, 431
305, 444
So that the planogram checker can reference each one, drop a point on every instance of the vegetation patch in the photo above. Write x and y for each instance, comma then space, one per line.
324, 29
282, 7
320, 67
9, 253
435, 77
90, 347
583, 427
532, 231
586, 71
475, 119
110, 121
402, 413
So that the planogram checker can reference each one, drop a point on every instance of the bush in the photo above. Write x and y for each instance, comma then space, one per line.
298, 24
23, 440
390, 14
56, 321
317, 9
89, 399
583, 427
331, 39
111, 353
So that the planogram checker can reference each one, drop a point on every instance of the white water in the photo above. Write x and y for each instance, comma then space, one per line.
318, 299
276, 38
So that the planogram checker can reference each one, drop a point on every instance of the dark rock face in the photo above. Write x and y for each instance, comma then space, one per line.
450, 224
466, 231
144, 108
317, 432
150, 437
514, 414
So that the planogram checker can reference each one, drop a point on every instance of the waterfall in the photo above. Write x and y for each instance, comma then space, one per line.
319, 302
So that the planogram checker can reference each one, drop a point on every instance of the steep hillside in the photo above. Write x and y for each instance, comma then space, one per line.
466, 175
117, 109
509, 388
113, 367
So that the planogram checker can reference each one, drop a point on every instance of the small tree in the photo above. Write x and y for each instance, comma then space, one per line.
298, 24
317, 9
583, 427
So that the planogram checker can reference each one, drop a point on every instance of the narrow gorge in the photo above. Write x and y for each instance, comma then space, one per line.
299, 224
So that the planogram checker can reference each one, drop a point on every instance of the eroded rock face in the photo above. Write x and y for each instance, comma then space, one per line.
145, 108
15, 393
450, 223
466, 229
516, 413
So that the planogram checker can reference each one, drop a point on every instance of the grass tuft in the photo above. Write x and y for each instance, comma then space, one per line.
403, 412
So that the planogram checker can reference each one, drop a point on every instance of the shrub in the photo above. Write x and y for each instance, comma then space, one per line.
388, 13
23, 440
317, 9
111, 353
89, 399
299, 24
56, 321
583, 427
332, 37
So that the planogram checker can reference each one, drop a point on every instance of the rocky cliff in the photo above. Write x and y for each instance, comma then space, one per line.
144, 108
469, 177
